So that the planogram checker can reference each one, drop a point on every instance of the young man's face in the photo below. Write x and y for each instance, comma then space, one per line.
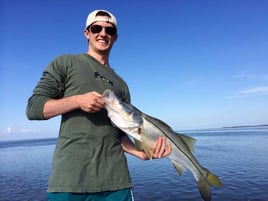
101, 36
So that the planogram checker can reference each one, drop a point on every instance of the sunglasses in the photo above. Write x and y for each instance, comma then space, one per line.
97, 29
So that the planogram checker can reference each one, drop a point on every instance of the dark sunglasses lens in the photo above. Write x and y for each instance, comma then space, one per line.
110, 30
95, 29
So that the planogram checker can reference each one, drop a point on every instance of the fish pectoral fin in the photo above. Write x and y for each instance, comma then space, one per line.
148, 151
138, 144
178, 167
189, 141
146, 148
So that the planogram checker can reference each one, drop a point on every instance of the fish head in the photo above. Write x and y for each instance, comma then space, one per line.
125, 116
112, 103
127, 111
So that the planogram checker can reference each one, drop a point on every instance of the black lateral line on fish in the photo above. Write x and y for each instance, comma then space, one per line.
193, 162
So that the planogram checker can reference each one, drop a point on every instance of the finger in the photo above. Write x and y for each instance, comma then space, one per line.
159, 147
162, 147
99, 102
168, 150
154, 147
96, 106
96, 101
96, 94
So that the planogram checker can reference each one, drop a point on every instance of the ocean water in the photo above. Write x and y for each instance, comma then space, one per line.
237, 156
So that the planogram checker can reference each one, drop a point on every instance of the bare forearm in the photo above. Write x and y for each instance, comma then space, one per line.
88, 102
54, 107
130, 148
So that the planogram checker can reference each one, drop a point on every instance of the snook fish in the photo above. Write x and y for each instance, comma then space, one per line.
146, 129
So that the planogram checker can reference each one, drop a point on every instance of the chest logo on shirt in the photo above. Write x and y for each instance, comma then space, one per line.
105, 80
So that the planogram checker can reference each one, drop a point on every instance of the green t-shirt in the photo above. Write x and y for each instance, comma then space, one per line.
88, 156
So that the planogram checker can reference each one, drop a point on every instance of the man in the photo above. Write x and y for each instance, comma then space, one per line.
89, 161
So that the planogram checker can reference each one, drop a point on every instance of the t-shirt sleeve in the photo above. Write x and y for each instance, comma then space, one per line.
50, 86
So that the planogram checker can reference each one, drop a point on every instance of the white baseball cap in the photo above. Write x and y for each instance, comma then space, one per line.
97, 15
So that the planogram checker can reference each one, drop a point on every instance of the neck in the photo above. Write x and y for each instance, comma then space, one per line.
102, 58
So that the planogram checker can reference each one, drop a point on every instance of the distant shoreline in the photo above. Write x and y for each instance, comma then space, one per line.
247, 126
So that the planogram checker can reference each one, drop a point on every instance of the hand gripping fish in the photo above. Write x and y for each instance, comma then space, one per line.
146, 129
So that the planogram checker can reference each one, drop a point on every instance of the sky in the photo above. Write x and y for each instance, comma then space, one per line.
193, 64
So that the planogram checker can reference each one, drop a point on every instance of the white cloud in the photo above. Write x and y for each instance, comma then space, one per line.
251, 75
10, 130
25, 130
7, 130
257, 90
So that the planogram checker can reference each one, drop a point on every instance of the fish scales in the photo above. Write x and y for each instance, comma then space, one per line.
178, 149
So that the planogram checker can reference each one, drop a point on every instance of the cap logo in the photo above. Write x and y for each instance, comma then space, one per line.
103, 19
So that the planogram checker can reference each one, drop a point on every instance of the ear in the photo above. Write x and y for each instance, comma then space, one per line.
115, 37
86, 34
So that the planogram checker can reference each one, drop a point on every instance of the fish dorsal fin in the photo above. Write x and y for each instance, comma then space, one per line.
189, 141
178, 167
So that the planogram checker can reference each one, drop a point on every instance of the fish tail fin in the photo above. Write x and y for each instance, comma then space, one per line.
213, 180
205, 183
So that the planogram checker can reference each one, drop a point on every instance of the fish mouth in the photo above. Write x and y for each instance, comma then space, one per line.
106, 94
108, 97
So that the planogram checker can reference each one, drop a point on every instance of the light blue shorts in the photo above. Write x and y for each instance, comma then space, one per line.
120, 195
